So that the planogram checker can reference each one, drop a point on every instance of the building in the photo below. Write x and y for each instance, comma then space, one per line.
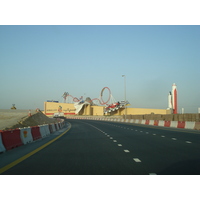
66, 109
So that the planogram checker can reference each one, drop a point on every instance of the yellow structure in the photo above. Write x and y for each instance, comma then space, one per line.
51, 108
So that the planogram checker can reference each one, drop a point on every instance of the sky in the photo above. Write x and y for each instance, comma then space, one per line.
39, 63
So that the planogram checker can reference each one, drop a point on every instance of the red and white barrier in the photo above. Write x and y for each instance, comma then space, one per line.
53, 128
172, 124
11, 139
25, 135
189, 125
43, 130
2, 148
35, 131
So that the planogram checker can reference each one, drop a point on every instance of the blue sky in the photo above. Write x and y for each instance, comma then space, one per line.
39, 63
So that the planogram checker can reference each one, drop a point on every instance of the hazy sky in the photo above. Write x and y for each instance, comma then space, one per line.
39, 63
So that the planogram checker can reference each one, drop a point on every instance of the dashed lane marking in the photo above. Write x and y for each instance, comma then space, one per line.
111, 138
174, 139
154, 134
137, 160
162, 136
119, 145
127, 151
152, 174
114, 140
188, 142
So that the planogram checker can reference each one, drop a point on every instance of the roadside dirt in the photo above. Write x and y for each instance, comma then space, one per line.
11, 119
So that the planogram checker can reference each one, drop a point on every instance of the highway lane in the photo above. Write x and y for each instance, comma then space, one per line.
160, 150
111, 148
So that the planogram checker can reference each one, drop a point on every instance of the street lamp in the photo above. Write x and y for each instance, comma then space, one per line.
125, 94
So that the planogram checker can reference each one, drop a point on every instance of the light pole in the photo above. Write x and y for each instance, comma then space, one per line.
125, 94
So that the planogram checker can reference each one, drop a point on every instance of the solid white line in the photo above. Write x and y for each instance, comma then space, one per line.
137, 160
119, 145
127, 151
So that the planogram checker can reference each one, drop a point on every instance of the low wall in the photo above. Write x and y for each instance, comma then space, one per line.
166, 123
168, 117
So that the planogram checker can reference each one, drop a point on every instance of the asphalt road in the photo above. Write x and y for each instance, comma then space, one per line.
110, 148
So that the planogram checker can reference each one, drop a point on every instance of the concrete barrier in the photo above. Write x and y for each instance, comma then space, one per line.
2, 148
189, 125
165, 123
11, 139
161, 123
43, 131
25, 134
35, 131
174, 124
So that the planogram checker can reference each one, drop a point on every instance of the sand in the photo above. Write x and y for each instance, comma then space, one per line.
19, 118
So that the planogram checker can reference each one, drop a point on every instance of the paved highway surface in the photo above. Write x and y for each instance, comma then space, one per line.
108, 148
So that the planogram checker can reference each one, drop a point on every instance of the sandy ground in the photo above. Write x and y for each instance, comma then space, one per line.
10, 117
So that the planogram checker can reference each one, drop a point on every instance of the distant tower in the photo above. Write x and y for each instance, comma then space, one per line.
174, 99
170, 101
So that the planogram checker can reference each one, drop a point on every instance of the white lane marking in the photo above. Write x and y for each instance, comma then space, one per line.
147, 132
137, 160
119, 145
108, 135
152, 174
132, 129
154, 134
111, 138
127, 151
174, 139
114, 140
162, 136
135, 130
188, 142
140, 131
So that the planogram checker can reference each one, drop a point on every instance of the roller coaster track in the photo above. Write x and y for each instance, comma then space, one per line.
101, 101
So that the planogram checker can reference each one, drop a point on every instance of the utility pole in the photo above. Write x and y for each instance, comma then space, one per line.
125, 94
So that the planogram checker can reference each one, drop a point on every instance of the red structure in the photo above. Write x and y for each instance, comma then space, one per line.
174, 99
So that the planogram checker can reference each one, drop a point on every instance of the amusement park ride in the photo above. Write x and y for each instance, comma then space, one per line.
111, 104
